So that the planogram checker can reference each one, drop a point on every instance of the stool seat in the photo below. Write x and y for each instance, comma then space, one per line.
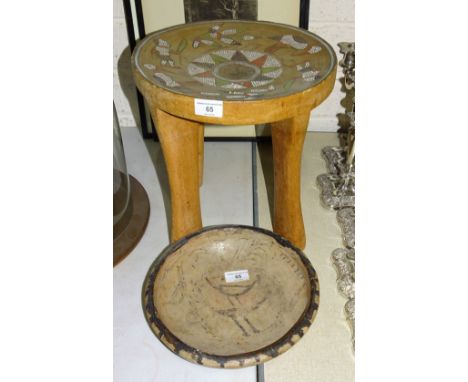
234, 60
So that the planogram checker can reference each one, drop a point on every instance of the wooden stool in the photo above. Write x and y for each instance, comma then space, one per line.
233, 73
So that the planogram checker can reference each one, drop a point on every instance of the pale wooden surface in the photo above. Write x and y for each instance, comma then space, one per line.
235, 112
180, 141
201, 152
288, 139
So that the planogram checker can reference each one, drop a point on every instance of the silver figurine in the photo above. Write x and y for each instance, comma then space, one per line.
338, 192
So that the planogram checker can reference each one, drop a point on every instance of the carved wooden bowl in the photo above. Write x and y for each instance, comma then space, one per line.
230, 296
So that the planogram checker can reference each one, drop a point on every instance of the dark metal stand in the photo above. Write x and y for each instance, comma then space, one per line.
304, 14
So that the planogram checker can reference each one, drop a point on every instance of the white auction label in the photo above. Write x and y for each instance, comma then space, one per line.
234, 276
208, 107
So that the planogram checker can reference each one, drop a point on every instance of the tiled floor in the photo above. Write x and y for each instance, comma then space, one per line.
324, 354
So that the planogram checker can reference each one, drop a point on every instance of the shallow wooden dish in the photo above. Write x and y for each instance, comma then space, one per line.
201, 317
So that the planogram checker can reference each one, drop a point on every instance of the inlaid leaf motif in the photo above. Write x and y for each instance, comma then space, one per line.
288, 83
182, 45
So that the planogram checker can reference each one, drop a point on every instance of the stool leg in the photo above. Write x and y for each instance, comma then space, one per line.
201, 148
180, 144
288, 140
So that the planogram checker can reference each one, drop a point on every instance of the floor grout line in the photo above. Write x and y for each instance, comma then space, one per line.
254, 184
260, 369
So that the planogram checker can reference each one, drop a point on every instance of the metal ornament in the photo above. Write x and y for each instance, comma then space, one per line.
344, 262
335, 159
345, 217
348, 63
338, 192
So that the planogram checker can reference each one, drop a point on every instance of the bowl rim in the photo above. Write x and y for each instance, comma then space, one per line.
266, 353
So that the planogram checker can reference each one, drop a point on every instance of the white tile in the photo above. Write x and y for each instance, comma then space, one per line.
324, 117
226, 193
124, 87
332, 105
118, 9
323, 124
325, 352
333, 33
120, 40
331, 10
124, 111
125, 95
138, 354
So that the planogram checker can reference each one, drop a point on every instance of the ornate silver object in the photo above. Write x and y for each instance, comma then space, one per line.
338, 186
345, 219
335, 159
348, 62
344, 262
337, 192
351, 129
345, 271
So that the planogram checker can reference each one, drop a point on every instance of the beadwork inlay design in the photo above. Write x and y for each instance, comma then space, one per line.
234, 60
235, 69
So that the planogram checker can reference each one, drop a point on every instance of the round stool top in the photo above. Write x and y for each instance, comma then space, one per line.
230, 296
234, 60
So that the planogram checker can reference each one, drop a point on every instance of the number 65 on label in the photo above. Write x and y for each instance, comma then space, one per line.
208, 107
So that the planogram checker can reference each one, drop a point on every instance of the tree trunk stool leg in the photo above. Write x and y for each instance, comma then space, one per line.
288, 140
180, 144
201, 152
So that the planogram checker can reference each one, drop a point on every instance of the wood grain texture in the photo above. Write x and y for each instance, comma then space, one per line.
203, 318
180, 144
201, 151
250, 112
288, 140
